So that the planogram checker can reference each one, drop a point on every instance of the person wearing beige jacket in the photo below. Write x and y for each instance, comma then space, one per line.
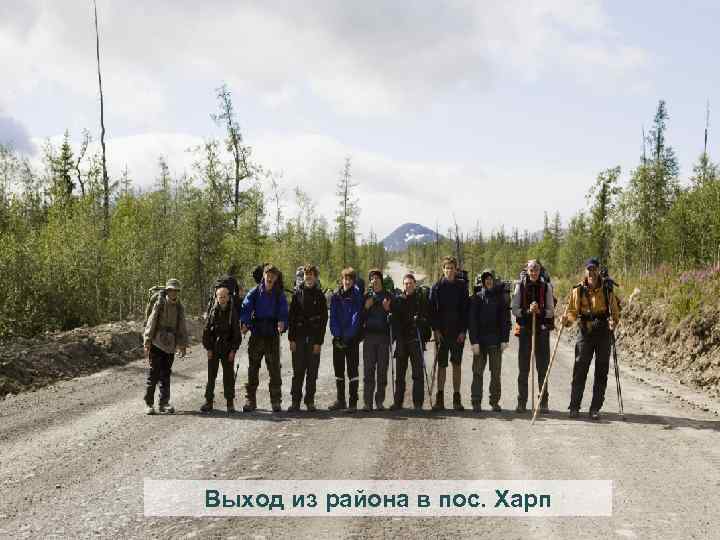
165, 333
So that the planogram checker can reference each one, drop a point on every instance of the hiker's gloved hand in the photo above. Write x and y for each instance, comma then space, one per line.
461, 338
565, 321
293, 346
281, 327
209, 355
244, 329
316, 348
476, 349
386, 304
534, 308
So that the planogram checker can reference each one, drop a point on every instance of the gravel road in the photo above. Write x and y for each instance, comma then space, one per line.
74, 455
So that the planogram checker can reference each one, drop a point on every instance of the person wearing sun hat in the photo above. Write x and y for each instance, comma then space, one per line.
165, 333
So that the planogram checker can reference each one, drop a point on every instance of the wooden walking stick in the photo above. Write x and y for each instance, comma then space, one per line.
532, 361
552, 360
432, 373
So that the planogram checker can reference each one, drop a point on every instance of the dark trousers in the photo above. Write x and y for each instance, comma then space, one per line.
410, 351
159, 372
494, 354
260, 347
351, 356
228, 377
376, 356
596, 343
542, 359
305, 368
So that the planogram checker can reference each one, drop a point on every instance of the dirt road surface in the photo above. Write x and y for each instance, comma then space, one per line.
74, 455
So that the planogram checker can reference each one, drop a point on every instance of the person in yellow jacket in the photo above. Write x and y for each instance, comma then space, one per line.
595, 308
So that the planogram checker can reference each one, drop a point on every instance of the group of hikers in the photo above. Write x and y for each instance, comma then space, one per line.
395, 328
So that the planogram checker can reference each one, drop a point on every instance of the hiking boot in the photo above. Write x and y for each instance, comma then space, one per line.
574, 413
250, 405
476, 406
379, 407
496, 407
207, 406
396, 406
277, 408
521, 408
339, 405
295, 407
418, 407
352, 407
167, 408
310, 406
230, 406
544, 406
149, 409
457, 404
367, 408
439, 402
595, 415
340, 402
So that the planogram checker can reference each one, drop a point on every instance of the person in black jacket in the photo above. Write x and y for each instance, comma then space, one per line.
307, 322
376, 345
221, 339
489, 328
411, 329
448, 317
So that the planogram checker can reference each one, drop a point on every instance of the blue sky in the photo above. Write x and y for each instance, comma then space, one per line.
493, 111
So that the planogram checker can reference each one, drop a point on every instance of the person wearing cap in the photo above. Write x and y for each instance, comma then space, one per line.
533, 299
595, 308
165, 333
489, 330
376, 345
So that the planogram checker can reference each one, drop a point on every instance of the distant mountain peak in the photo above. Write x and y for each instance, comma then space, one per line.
406, 234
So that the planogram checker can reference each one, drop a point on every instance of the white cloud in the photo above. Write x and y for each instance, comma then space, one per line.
370, 58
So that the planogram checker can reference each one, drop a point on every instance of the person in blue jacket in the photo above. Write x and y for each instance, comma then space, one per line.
264, 313
346, 306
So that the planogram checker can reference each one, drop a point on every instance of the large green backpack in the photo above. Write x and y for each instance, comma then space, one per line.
157, 294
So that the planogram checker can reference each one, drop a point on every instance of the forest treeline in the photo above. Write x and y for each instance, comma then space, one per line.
650, 228
63, 263
68, 260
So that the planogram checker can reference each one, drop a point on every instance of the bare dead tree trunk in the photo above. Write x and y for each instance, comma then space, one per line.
106, 183
81, 155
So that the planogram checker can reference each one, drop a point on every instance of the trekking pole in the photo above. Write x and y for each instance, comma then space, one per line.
422, 355
552, 360
617, 367
392, 362
532, 361
617, 375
